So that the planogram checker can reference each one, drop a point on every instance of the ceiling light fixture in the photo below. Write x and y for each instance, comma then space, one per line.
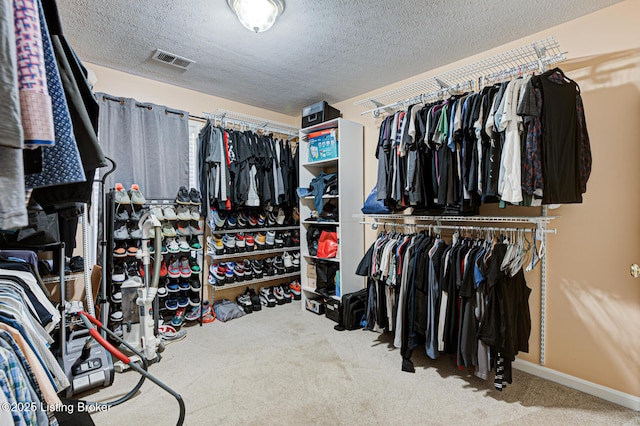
257, 15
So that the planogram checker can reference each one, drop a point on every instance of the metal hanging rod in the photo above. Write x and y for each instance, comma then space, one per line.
252, 122
536, 56
376, 225
537, 220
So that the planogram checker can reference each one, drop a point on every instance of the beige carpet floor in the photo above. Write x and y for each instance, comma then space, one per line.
285, 366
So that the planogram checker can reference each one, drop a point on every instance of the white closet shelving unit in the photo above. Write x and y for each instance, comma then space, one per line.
349, 168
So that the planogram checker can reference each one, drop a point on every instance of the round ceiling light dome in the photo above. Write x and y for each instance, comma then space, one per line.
257, 15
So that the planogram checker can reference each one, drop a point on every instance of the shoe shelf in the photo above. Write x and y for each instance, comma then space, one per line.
330, 259
249, 230
320, 222
248, 254
256, 281
67, 277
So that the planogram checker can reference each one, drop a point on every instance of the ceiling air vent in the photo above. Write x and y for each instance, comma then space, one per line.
172, 59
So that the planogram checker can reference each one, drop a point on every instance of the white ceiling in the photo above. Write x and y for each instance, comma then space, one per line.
318, 49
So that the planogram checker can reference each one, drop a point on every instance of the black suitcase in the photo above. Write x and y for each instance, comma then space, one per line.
354, 306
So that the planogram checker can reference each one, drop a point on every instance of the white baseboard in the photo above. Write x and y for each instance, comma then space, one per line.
603, 392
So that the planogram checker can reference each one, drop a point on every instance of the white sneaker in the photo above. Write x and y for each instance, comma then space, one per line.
173, 246
169, 213
288, 262
281, 217
157, 212
121, 196
184, 213
183, 244
195, 213
136, 196
121, 233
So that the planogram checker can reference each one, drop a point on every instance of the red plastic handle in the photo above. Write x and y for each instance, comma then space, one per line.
108, 346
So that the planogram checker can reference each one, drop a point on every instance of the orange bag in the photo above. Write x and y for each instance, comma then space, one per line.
328, 244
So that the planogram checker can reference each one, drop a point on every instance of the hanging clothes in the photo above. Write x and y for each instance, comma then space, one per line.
467, 298
61, 163
450, 156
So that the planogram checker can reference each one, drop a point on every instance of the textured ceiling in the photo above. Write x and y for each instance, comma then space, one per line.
318, 50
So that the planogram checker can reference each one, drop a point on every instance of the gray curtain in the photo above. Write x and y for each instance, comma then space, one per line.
148, 142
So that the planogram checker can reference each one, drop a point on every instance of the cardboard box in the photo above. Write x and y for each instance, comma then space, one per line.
315, 305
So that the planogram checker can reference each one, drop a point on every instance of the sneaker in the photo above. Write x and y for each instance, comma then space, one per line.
261, 220
296, 290
121, 233
183, 196
295, 260
255, 299
132, 269
183, 213
194, 300
184, 287
280, 217
193, 264
287, 260
132, 250
118, 273
229, 274
136, 215
136, 196
288, 297
271, 238
261, 240
195, 213
163, 269
266, 298
295, 215
171, 304
215, 244
185, 268
238, 271
116, 297
169, 213
231, 222
116, 316
136, 233
195, 228
229, 242
121, 196
268, 268
248, 270
120, 249
278, 264
279, 242
173, 287
169, 334
218, 273
253, 220
286, 238
295, 238
244, 301
183, 245
241, 245
194, 243
168, 230
121, 215
271, 220
194, 197
178, 318
183, 301
174, 268
194, 284
250, 242
256, 268
173, 246
157, 212
218, 219
196, 312
162, 291
163, 248
183, 228
243, 219
278, 294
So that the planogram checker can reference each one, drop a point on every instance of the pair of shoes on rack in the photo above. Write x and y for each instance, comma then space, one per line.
186, 196
133, 196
